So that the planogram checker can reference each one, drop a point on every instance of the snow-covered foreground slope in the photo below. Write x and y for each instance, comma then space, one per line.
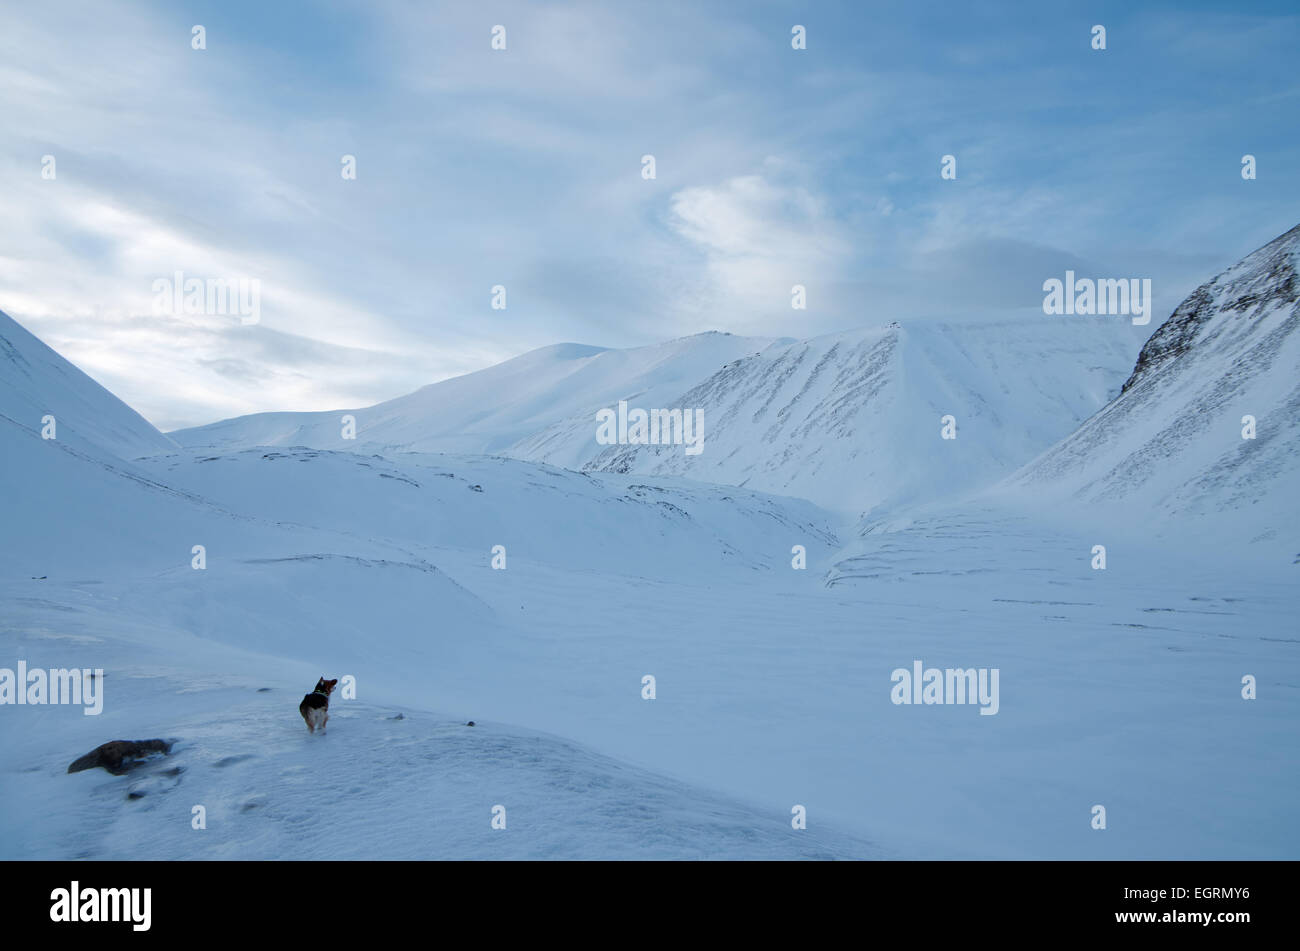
97, 573
1169, 451
380, 783
773, 685
36, 382
1119, 688
487, 411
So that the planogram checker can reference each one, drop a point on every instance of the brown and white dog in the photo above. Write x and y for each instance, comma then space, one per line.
315, 707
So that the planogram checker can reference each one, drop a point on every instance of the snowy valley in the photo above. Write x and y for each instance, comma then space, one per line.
474, 555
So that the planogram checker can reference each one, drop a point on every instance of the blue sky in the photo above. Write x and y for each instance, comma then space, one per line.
522, 168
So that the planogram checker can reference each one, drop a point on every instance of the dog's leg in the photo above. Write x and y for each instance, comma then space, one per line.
315, 718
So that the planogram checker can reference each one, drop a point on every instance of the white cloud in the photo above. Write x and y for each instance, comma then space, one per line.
760, 234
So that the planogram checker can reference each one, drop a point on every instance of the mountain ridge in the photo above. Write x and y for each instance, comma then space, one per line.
1207, 422
38, 381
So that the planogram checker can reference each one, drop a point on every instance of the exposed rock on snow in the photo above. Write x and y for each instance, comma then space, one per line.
1208, 423
120, 756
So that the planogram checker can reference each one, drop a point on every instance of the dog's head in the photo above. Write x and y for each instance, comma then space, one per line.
325, 686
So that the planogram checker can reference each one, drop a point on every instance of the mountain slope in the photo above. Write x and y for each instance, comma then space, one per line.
382, 783
436, 505
487, 411
853, 420
35, 382
848, 421
1171, 444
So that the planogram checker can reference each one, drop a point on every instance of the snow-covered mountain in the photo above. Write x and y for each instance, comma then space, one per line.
855, 420
489, 410
849, 420
36, 382
1173, 443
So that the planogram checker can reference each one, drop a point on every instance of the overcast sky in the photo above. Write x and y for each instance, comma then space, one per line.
522, 167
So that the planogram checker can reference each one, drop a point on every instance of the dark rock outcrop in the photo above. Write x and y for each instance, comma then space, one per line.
1263, 280
119, 756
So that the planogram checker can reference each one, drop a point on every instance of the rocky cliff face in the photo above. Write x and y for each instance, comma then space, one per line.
1209, 420
1239, 296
